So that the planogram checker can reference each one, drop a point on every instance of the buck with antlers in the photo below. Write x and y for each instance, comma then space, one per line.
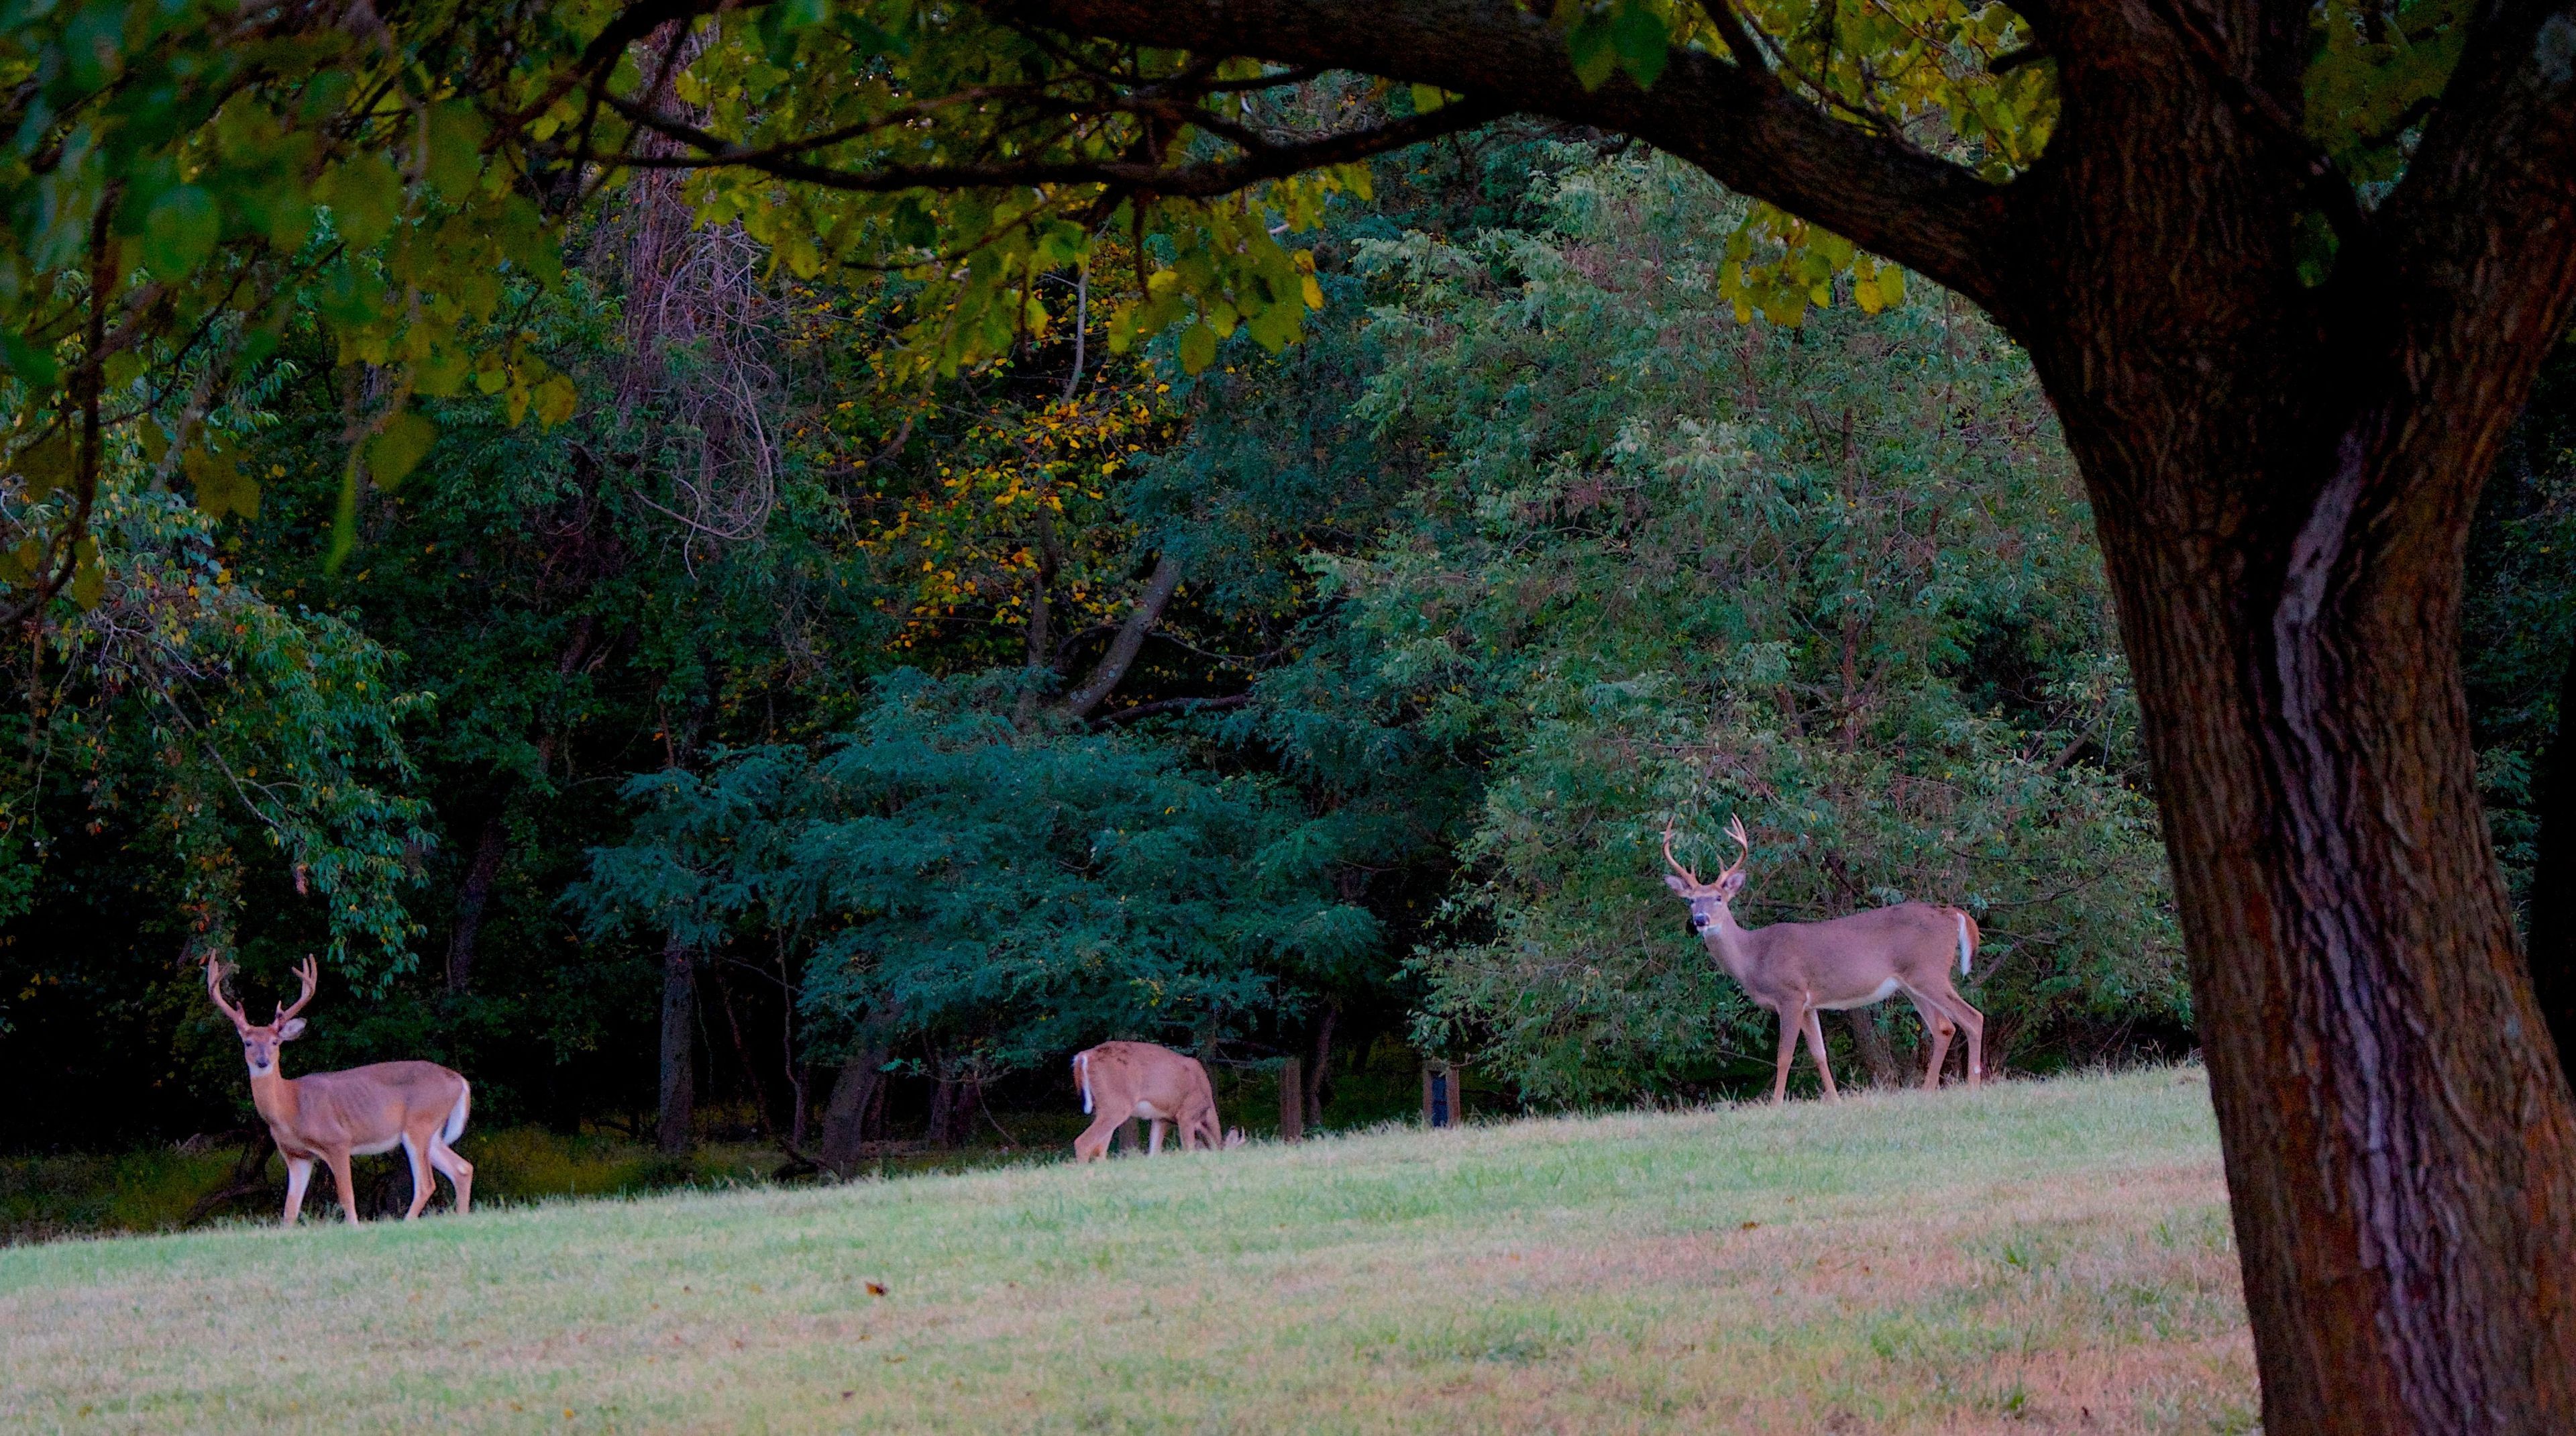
332, 1116
1797, 969
1121, 1081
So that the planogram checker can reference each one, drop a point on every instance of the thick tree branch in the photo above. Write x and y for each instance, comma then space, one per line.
1130, 640
2484, 224
1260, 160
1739, 125
2481, 248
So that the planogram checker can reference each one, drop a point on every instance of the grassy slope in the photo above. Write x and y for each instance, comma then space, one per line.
2042, 1256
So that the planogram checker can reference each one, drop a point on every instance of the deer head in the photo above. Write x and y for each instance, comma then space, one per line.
260, 1040
1708, 899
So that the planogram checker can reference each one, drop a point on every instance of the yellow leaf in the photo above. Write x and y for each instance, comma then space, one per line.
556, 399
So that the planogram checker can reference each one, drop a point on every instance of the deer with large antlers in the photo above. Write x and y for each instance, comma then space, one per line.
1121, 1081
1798, 969
330, 1117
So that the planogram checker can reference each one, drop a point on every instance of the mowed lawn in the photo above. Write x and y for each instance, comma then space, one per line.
2041, 1256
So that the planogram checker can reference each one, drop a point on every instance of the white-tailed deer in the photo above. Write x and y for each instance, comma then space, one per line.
332, 1116
1797, 969
1121, 1081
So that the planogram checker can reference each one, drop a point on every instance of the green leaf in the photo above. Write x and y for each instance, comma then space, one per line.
456, 133
556, 400
365, 196
18, 565
1593, 51
398, 449
222, 488
1198, 349
33, 365
2314, 244
46, 465
1427, 98
1638, 34
89, 577
180, 231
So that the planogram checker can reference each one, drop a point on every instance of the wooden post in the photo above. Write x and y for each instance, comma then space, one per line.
1292, 1102
1439, 1094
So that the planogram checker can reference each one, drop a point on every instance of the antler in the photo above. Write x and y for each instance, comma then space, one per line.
215, 990
1735, 830
1676, 862
311, 975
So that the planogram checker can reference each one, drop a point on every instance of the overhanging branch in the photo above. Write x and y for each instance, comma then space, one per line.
1734, 121
1261, 157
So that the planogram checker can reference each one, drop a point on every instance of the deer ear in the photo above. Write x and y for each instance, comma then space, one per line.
1677, 883
292, 1027
1729, 885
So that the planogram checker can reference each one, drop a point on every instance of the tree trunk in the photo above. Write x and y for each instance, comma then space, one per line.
1871, 1044
676, 1132
1130, 641
952, 1109
1323, 1063
2398, 1142
853, 1093
2553, 883
470, 898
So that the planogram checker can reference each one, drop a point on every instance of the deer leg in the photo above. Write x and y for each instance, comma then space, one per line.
1816, 1044
417, 1150
299, 1171
1093, 1144
1936, 1022
1975, 1021
460, 1172
339, 1161
1788, 1053
1154, 1137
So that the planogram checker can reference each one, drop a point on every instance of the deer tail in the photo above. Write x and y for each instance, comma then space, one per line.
1082, 1078
1967, 939
455, 1127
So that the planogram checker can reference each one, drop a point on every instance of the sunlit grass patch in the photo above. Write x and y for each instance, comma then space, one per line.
2039, 1256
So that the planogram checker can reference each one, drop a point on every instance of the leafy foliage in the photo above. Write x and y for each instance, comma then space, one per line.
1016, 894
1835, 581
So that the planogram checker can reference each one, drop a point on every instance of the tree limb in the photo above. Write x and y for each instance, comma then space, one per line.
1196, 181
1738, 124
1130, 640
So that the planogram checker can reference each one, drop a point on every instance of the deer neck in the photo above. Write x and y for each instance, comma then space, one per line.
274, 1094
1731, 943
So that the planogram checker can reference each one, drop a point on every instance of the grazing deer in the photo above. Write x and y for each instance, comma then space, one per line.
1125, 1080
1798, 969
333, 1116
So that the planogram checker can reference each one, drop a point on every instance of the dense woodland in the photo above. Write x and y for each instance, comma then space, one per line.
782, 741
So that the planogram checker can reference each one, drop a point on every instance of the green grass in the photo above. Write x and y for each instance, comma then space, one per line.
2041, 1256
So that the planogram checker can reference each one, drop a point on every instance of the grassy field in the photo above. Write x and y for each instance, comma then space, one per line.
2044, 1256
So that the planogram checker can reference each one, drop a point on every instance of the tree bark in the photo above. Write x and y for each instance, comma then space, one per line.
489, 846
2553, 883
1322, 1064
1130, 641
952, 1109
1872, 1046
676, 1132
853, 1093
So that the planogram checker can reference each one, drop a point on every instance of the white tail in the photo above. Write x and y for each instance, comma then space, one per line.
1122, 1081
331, 1116
455, 1127
1797, 969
